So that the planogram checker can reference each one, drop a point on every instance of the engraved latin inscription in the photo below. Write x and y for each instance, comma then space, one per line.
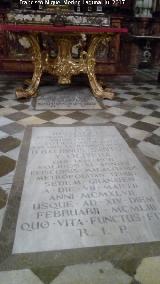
84, 187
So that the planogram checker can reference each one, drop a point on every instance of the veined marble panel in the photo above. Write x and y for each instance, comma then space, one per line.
84, 187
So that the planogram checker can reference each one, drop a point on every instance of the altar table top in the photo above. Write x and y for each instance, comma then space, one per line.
59, 29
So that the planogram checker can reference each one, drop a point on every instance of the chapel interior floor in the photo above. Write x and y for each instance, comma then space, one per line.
135, 112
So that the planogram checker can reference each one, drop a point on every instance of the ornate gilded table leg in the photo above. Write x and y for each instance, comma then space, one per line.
28, 82
37, 59
64, 66
64, 60
97, 89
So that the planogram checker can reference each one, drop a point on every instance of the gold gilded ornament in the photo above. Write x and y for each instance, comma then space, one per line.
64, 66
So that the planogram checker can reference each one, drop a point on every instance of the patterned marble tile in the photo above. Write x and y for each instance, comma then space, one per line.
8, 165
7, 111
116, 111
148, 272
17, 116
138, 98
91, 112
63, 120
6, 181
3, 198
125, 96
94, 120
105, 115
47, 115
157, 131
157, 167
142, 110
137, 133
25, 276
2, 212
147, 96
151, 120
110, 103
9, 103
2, 99
32, 112
156, 114
8, 143
20, 106
135, 110
12, 128
78, 115
132, 103
151, 106
47, 273
150, 150
100, 272
63, 112
124, 120
3, 134
134, 115
10, 95
154, 139
19, 135
13, 154
144, 126
154, 102
4, 121
31, 120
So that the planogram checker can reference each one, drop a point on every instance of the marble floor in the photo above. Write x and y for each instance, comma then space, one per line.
135, 112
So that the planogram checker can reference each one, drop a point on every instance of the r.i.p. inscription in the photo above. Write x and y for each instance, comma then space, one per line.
84, 187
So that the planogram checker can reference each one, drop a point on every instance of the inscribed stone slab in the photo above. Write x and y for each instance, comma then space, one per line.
84, 187
72, 97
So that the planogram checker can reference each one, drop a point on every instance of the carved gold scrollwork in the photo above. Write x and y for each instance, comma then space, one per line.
97, 89
37, 60
64, 65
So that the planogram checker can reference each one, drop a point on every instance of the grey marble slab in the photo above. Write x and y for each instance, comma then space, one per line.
68, 97
84, 187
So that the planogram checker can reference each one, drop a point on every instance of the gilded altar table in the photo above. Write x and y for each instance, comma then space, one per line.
63, 66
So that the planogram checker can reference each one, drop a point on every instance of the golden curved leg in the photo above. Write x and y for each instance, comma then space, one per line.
97, 89
34, 83
28, 82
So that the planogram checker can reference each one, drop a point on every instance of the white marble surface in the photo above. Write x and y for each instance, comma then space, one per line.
92, 273
63, 120
157, 167
72, 97
116, 111
6, 181
110, 103
95, 120
138, 134
124, 120
2, 212
148, 272
150, 150
4, 121
157, 131
152, 120
3, 134
142, 110
84, 187
25, 276
6, 111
